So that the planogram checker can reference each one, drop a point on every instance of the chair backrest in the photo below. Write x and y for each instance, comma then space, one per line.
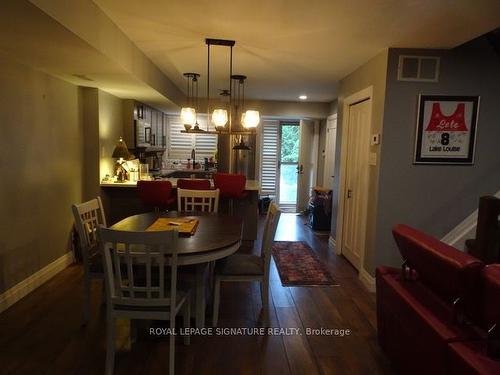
134, 264
272, 220
198, 200
230, 185
88, 216
193, 184
154, 193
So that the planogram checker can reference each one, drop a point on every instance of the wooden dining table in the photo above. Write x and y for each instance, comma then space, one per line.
217, 236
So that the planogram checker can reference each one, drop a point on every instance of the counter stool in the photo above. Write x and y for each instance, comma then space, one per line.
193, 184
156, 194
231, 186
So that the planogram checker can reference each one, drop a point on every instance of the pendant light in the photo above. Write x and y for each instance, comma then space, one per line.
188, 113
249, 118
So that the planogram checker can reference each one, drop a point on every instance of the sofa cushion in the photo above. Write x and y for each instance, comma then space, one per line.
414, 324
447, 271
490, 296
466, 358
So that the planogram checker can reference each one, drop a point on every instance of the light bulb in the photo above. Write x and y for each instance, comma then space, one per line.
188, 116
250, 119
219, 117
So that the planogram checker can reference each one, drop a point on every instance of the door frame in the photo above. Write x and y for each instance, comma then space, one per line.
330, 152
362, 95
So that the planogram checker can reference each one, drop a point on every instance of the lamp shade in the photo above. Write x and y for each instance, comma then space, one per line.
188, 116
250, 119
121, 150
219, 117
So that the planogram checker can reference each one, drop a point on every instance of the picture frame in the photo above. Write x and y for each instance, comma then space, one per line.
147, 135
446, 129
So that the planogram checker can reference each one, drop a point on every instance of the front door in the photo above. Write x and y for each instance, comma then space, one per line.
288, 165
356, 182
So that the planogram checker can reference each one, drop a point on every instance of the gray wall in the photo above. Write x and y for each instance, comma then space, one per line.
436, 198
373, 73
41, 159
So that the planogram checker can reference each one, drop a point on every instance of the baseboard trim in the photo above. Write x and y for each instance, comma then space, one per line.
367, 280
23, 288
332, 244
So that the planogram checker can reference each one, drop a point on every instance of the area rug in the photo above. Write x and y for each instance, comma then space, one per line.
299, 266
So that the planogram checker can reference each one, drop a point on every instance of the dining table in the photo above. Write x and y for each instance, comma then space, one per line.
217, 236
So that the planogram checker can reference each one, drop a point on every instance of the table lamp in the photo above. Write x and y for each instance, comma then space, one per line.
121, 153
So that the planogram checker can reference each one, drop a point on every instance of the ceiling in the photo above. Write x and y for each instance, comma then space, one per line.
292, 47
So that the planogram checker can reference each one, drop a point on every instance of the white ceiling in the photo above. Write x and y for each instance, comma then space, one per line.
293, 47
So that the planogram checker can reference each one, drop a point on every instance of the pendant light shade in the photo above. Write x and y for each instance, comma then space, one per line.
250, 119
219, 117
188, 116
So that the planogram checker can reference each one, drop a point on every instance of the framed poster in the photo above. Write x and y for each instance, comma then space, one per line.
446, 129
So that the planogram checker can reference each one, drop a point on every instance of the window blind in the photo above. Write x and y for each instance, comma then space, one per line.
269, 157
181, 144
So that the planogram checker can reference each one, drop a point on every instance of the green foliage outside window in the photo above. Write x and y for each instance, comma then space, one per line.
290, 143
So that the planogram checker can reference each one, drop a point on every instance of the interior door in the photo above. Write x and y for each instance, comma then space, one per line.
356, 180
330, 146
307, 163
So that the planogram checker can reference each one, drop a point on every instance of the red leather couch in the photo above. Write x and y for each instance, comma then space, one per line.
434, 312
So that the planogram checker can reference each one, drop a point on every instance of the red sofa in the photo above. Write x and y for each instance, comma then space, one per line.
434, 312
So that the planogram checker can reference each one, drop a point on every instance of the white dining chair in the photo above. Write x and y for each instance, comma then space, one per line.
249, 267
198, 200
136, 268
88, 216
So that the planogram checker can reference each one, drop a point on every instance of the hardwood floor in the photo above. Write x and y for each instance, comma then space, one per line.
42, 334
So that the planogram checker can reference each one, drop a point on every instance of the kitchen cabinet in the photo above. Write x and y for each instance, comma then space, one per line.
149, 127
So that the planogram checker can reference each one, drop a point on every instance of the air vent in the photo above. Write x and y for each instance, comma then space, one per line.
418, 68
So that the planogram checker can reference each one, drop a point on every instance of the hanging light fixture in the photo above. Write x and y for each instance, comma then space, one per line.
221, 117
188, 113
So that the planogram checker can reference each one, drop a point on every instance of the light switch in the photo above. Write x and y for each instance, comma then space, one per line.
375, 139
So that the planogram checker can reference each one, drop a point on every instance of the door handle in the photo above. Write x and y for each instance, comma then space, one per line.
349, 193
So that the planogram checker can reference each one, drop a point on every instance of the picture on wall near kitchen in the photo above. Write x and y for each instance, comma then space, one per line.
446, 129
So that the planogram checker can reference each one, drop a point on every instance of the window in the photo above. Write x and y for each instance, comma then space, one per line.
269, 157
181, 144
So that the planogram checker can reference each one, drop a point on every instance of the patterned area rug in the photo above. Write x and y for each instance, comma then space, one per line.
299, 266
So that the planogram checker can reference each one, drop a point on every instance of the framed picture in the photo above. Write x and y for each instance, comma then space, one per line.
147, 135
446, 129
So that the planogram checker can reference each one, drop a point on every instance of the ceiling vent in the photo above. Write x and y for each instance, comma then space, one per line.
418, 68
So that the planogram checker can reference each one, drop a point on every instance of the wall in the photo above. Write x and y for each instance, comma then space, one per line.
41, 162
373, 73
110, 130
436, 198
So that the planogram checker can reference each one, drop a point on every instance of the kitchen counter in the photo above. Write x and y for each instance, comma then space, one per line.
251, 185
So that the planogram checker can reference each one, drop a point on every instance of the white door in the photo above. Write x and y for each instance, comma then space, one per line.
330, 145
308, 156
356, 182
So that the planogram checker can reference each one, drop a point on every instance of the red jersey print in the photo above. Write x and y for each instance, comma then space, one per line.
441, 123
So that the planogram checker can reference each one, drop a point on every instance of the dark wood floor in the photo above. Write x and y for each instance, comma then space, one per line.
42, 334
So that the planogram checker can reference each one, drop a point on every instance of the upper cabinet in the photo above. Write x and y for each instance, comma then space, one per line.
145, 126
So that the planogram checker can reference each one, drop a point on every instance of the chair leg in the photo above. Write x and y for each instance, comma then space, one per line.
264, 293
216, 301
86, 299
171, 365
186, 317
110, 344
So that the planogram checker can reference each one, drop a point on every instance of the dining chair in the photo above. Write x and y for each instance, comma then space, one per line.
198, 200
137, 266
156, 194
193, 184
249, 267
232, 187
88, 216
